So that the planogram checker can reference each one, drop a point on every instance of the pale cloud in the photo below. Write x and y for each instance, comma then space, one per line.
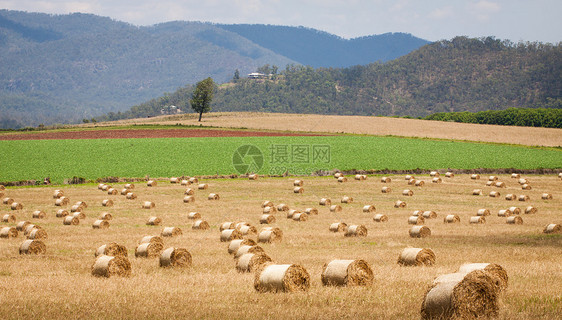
483, 10
441, 13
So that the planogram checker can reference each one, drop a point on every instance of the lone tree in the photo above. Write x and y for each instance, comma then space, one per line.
202, 96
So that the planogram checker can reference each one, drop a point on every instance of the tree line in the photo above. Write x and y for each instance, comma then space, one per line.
540, 117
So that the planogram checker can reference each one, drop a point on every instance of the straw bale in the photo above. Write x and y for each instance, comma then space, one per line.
107, 266
356, 231
380, 217
416, 257
347, 273
281, 278
33, 247
419, 232
175, 257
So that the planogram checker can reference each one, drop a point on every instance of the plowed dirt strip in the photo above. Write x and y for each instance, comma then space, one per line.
143, 133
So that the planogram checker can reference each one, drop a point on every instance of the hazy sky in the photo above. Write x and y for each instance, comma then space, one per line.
528, 20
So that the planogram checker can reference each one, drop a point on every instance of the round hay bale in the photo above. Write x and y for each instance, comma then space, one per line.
269, 210
291, 213
71, 221
483, 212
105, 216
356, 231
552, 228
33, 247
82, 204
193, 180
510, 197
523, 197
434, 174
281, 277
282, 207
189, 192
270, 235
515, 210
124, 191
429, 214
37, 234
112, 191
237, 243
131, 196
171, 232
492, 178
452, 218
335, 208
111, 249
386, 180
57, 194
79, 215
419, 183
497, 272
311, 211
514, 220
253, 177
412, 182
473, 295
9, 218
30, 228
150, 239
347, 273
174, 180
188, 199
194, 215
175, 257
203, 186
213, 196
149, 250
129, 186
338, 174
409, 177
523, 181
416, 220
560, 175
546, 196
325, 202
250, 262
200, 225
526, 187
400, 204
148, 205
477, 192
298, 183
16, 206
248, 230
475, 176
419, 232
267, 203
301, 216
230, 234
243, 249
489, 183
8, 201
416, 257
494, 194
108, 266
449, 174
100, 224
504, 213
338, 227
267, 219
346, 199
436, 180
20, 226
105, 187
76, 208
61, 213
500, 184
369, 208
8, 232
107, 203
477, 220
407, 192
226, 225
380, 217
38, 214
515, 176
153, 221
530, 210
151, 183
298, 190
100, 186
417, 213
342, 179
386, 190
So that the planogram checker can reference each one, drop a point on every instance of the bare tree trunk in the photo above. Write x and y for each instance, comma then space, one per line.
200, 114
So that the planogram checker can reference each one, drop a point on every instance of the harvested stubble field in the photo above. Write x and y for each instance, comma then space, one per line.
59, 284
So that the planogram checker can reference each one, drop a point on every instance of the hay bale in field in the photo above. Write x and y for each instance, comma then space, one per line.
419, 183
31, 246
530, 210
105, 187
8, 232
200, 225
475, 176
111, 249
175, 257
325, 202
131, 196
342, 179
148, 205
497, 272
469, 296
105, 216
311, 211
386, 190
100, 224
386, 180
112, 191
369, 208
38, 214
504, 213
546, 196
510, 197
108, 266
129, 186
346, 199
281, 278
347, 273
552, 228
449, 174
514, 220
338, 174
16, 206
416, 257
194, 215
61, 213
409, 177
76, 208
37, 234
153, 221
188, 199
230, 234
298, 183
71, 221
237, 243
436, 180
189, 192
269, 210
417, 213
301, 216
477, 220
335, 208
20, 226
434, 174
213, 196
57, 194
483, 212
429, 214
400, 204
267, 203
298, 190
149, 250
171, 232
250, 262
515, 210
523, 197
380, 217
500, 184
338, 227
356, 231
267, 219
151, 183
253, 176
419, 232
248, 230
9, 218
227, 225
203, 186
62, 201
416, 220
489, 183
494, 194
452, 218
523, 181
560, 175
526, 187
79, 215
407, 192
243, 249
27, 230
412, 182
124, 191
492, 178
270, 235
184, 182
174, 180
515, 176
100, 186
193, 180
477, 192
282, 207
291, 213
360, 177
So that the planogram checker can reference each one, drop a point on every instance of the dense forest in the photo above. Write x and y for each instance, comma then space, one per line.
462, 74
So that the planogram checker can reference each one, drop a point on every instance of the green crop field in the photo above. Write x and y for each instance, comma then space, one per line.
164, 157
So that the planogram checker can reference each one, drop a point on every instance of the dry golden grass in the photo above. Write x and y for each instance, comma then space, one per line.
368, 125
60, 285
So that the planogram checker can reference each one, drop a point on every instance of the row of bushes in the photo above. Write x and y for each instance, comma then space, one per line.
540, 117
